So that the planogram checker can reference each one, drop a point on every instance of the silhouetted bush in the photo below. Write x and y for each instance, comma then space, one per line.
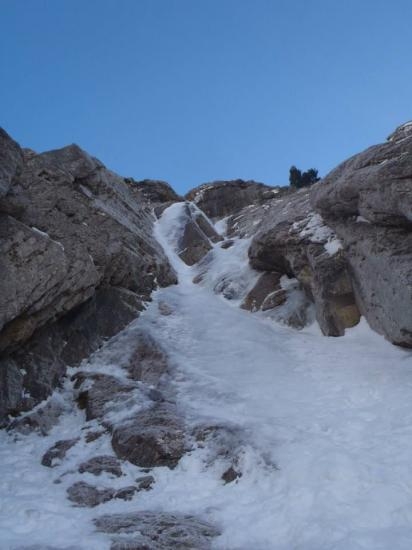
299, 179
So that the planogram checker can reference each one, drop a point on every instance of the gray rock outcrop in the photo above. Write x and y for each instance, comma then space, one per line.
79, 259
193, 234
197, 236
293, 240
347, 239
219, 199
76, 241
367, 200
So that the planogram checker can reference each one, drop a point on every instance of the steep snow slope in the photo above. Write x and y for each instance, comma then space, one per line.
320, 429
327, 426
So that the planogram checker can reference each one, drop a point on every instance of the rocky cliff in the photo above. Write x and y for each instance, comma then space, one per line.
219, 199
78, 261
347, 240
179, 398
79, 258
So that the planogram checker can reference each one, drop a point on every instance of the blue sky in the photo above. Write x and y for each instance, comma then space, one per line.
195, 90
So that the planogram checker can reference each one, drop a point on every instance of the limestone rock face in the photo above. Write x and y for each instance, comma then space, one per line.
223, 198
196, 235
367, 200
375, 184
293, 240
25, 253
78, 261
347, 240
193, 245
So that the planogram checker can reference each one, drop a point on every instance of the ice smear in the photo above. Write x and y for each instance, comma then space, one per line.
227, 271
221, 225
333, 246
332, 414
318, 232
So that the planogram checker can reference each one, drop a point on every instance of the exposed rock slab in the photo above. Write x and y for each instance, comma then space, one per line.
219, 199
25, 254
153, 437
76, 242
266, 284
295, 241
193, 244
375, 184
207, 228
367, 200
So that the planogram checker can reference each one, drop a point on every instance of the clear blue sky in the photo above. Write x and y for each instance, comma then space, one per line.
195, 90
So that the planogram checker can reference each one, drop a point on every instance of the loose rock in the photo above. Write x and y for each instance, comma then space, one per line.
99, 464
57, 452
154, 437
